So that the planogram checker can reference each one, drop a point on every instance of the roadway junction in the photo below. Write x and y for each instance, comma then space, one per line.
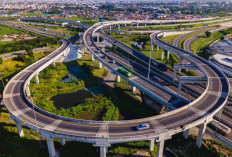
209, 99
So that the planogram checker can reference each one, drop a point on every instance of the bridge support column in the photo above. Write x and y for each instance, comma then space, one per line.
93, 59
145, 24
62, 141
103, 151
100, 65
28, 90
168, 55
201, 134
160, 149
51, 147
157, 48
98, 39
119, 27
151, 144
185, 133
103, 49
152, 46
137, 25
174, 76
162, 55
110, 29
19, 129
179, 88
37, 78
118, 78
133, 88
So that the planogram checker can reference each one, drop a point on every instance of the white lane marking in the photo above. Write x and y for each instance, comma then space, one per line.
52, 126
20, 112
27, 70
133, 78
197, 111
157, 126
12, 95
17, 81
103, 131
218, 94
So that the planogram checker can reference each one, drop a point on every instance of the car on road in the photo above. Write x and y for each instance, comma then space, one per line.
112, 61
155, 77
142, 126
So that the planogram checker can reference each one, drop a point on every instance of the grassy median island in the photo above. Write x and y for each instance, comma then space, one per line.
145, 38
85, 98
201, 45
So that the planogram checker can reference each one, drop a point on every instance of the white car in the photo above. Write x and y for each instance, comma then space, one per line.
142, 126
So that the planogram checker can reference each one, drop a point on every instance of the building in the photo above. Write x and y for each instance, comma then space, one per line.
223, 62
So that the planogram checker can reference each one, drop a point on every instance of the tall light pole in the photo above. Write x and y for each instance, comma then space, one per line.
149, 67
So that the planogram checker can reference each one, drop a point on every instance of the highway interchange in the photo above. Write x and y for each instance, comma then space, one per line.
199, 111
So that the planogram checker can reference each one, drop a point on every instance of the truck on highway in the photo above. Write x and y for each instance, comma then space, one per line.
124, 71
163, 67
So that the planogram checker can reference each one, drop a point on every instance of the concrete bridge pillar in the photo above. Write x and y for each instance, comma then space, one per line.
118, 78
168, 55
137, 25
201, 134
103, 151
174, 76
62, 141
151, 144
110, 29
102, 30
19, 129
179, 88
100, 65
145, 24
54, 63
103, 49
37, 78
51, 147
133, 88
162, 55
185, 133
98, 39
93, 59
119, 27
157, 48
152, 46
28, 90
160, 148
125, 24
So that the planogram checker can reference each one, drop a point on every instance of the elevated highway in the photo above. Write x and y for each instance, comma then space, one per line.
103, 134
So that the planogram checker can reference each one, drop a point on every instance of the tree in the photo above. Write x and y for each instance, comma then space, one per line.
207, 34
29, 50
1, 60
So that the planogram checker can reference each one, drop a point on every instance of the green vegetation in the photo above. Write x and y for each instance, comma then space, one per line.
88, 21
96, 108
201, 44
180, 26
127, 39
10, 67
5, 30
33, 43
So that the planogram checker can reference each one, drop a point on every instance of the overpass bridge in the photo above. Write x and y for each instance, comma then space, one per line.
103, 134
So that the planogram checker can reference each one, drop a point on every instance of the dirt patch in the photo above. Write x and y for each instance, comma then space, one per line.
140, 153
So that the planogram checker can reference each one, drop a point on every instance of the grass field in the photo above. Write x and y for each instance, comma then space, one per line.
173, 27
127, 39
200, 45
9, 31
